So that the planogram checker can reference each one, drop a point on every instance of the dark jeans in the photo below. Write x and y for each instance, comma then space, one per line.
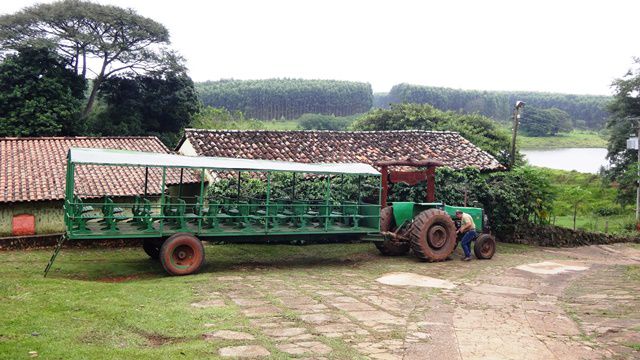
466, 242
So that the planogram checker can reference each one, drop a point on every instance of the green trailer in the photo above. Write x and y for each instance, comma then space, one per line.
336, 201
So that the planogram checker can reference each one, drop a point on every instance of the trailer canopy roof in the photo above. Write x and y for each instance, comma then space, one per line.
139, 158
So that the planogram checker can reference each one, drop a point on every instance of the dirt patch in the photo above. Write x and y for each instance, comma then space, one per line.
126, 278
157, 340
411, 279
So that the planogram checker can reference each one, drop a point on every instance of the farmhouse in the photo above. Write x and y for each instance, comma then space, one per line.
338, 146
32, 179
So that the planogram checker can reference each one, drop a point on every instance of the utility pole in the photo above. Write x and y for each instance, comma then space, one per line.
636, 147
516, 121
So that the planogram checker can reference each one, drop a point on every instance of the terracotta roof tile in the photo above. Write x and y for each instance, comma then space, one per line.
34, 169
342, 146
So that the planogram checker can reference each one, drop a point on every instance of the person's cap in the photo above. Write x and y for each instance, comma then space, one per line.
458, 211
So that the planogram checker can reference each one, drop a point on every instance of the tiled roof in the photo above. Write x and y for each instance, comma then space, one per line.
342, 146
34, 169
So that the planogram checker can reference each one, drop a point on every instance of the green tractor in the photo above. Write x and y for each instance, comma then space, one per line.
429, 228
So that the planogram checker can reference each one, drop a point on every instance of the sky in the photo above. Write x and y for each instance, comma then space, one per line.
552, 46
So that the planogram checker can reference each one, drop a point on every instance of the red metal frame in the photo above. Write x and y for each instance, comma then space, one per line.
408, 177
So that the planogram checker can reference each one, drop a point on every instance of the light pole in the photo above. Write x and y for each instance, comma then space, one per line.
636, 146
516, 120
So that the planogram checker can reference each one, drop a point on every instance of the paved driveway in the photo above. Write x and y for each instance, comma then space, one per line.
526, 303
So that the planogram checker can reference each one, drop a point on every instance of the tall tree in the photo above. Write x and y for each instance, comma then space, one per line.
625, 107
39, 95
160, 102
85, 33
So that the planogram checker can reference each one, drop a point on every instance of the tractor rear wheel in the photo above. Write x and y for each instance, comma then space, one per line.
433, 235
388, 247
485, 246
182, 254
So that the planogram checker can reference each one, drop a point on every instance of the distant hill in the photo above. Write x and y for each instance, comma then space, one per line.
588, 111
287, 98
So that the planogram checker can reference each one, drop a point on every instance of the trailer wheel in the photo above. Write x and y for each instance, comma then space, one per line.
152, 248
433, 235
182, 254
388, 247
485, 246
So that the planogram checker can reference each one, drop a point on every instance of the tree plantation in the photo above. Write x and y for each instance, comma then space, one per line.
287, 98
586, 111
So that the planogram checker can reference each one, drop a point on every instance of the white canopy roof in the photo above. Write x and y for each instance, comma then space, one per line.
139, 158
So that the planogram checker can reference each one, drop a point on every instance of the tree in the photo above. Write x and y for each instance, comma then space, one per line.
589, 110
545, 122
38, 95
576, 197
161, 102
625, 107
84, 33
480, 130
323, 122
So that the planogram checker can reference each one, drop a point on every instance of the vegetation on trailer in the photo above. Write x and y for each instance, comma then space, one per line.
586, 111
287, 98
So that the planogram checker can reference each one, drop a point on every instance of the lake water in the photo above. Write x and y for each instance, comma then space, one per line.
586, 160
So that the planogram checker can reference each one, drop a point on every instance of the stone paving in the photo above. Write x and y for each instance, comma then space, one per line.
494, 309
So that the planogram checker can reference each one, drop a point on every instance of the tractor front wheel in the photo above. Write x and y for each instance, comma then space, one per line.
485, 246
433, 235
182, 254
388, 247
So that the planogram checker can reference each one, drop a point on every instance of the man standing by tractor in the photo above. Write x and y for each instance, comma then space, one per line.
468, 231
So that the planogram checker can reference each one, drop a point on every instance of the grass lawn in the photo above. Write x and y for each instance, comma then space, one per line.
576, 138
600, 196
119, 304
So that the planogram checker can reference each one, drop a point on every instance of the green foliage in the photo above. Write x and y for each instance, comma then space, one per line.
39, 96
221, 119
625, 108
480, 130
586, 109
85, 33
324, 122
544, 122
287, 98
161, 102
508, 198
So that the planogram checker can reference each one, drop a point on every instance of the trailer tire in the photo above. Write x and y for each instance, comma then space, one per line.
388, 247
152, 248
433, 235
182, 254
485, 246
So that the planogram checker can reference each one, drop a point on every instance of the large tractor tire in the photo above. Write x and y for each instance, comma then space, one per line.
485, 246
433, 235
182, 254
388, 247
152, 248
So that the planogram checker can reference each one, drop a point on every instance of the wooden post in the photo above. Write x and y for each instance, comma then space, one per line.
385, 186
431, 184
